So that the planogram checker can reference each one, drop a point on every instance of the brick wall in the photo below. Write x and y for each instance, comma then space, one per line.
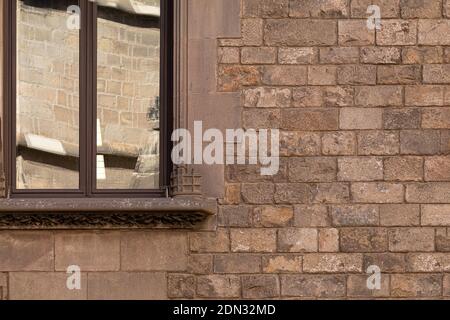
364, 178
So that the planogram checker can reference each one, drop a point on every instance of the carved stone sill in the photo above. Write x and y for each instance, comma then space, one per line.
183, 212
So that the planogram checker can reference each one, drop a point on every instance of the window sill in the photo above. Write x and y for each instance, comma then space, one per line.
102, 213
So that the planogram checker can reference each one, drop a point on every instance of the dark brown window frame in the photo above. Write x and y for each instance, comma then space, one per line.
88, 41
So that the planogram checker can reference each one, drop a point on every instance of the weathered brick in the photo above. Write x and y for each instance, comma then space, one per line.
436, 118
219, 286
355, 215
339, 143
252, 31
311, 216
232, 77
355, 33
356, 74
421, 9
258, 193
180, 286
297, 55
338, 96
387, 262
443, 240
265, 8
200, 264
319, 9
436, 192
319, 286
260, 287
396, 215
234, 216
363, 240
299, 143
423, 96
360, 169
270, 216
237, 263
397, 33
257, 118
229, 55
405, 74
253, 240
258, 55
428, 262
292, 193
339, 55
310, 119
308, 97
284, 75
297, 32
389, 8
436, 215
422, 55
357, 287
378, 143
322, 75
380, 55
411, 239
209, 241
379, 96
264, 97
232, 193
297, 240
437, 168
321, 169
377, 192
419, 142
328, 240
436, 73
416, 285
401, 118
361, 118
403, 169
282, 264
434, 32
330, 193
332, 263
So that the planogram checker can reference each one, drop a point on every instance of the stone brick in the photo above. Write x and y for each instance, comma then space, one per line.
330, 193
292, 193
282, 264
387, 262
446, 8
379, 96
436, 215
405, 74
396, 215
229, 55
363, 240
389, 8
355, 215
232, 194
434, 32
421, 55
339, 55
234, 216
311, 216
357, 287
416, 285
284, 75
297, 32
403, 169
219, 286
357, 74
377, 192
252, 31
237, 264
424, 96
265, 8
26, 251
355, 33
257, 118
436, 118
360, 169
340, 143
411, 239
89, 251
317, 286
297, 240
322, 75
258, 55
232, 77
428, 262
44, 286
328, 240
209, 241
361, 118
445, 142
319, 9
260, 287
397, 33
253, 240
200, 264
180, 286
378, 143
264, 97
434, 73
332, 263
402, 118
299, 143
437, 169
321, 169
310, 120
419, 142
297, 55
258, 193
436, 192
154, 251
270, 216
308, 97
443, 240
338, 96
421, 9
380, 55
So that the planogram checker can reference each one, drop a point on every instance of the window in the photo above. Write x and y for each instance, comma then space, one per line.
87, 97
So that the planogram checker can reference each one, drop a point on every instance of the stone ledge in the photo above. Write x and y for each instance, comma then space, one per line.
183, 212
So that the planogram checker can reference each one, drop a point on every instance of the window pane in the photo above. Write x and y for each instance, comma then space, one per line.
47, 111
128, 78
